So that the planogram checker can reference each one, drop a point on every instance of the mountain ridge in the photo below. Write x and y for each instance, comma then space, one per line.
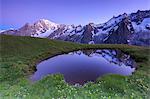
123, 29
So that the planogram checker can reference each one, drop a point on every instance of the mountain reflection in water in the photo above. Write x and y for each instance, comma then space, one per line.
86, 65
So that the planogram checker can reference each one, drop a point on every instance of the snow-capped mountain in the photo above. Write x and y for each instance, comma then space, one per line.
131, 28
41, 28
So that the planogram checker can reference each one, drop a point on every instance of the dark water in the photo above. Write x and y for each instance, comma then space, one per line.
87, 65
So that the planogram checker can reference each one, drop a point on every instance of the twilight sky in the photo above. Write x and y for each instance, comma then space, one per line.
15, 13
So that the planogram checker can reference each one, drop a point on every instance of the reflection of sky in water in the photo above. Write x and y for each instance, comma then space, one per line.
87, 65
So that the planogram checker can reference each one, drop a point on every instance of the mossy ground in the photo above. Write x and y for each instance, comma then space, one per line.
19, 56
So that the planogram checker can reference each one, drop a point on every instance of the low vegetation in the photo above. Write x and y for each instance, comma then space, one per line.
19, 56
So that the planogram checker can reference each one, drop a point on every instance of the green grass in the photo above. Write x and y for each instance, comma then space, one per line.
19, 56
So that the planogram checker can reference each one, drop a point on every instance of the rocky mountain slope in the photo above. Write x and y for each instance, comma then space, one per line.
131, 28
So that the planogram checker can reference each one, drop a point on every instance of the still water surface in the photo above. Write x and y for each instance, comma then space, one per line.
86, 65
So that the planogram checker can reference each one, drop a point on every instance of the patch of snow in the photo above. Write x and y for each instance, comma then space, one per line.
2, 31
80, 33
100, 31
91, 42
105, 38
116, 27
128, 27
49, 23
43, 35
99, 25
69, 29
128, 41
113, 21
78, 28
93, 34
142, 26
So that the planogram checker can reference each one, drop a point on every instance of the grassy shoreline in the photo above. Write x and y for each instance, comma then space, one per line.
19, 56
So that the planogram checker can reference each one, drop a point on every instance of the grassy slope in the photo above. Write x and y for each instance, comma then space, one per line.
20, 54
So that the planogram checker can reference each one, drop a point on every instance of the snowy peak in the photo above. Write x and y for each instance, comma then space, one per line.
43, 26
42, 23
